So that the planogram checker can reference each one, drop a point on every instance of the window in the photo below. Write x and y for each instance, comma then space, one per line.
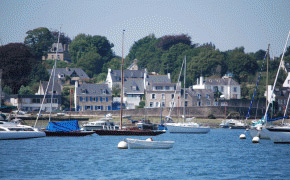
167, 87
207, 96
35, 100
134, 88
172, 96
151, 104
163, 96
235, 89
235, 96
198, 96
185, 103
163, 104
158, 87
208, 103
186, 95
198, 103
222, 89
153, 96
157, 104
215, 88
107, 99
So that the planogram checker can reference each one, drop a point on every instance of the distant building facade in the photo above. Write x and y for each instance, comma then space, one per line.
228, 87
63, 53
92, 97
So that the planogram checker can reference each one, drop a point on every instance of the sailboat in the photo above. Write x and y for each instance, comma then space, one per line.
135, 131
257, 124
279, 134
63, 128
189, 127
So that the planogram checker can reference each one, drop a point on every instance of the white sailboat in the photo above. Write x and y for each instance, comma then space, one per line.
148, 144
189, 127
279, 134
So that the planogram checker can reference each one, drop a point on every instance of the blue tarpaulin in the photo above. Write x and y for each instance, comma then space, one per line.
63, 126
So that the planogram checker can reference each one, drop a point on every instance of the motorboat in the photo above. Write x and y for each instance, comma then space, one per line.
15, 130
100, 124
148, 144
189, 127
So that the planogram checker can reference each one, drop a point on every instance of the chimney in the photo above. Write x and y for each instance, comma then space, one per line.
197, 81
201, 80
168, 74
67, 69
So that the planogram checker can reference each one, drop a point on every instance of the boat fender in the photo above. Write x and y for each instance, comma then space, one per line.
256, 139
149, 139
242, 136
123, 145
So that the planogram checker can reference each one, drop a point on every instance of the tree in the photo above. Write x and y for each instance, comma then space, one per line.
25, 90
91, 63
241, 64
83, 44
116, 91
166, 42
62, 39
17, 62
207, 63
39, 41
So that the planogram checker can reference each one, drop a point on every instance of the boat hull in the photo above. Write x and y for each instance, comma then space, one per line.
6, 135
188, 129
143, 144
279, 135
69, 133
128, 132
262, 135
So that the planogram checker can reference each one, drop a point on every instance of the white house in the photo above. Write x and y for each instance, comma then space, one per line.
229, 88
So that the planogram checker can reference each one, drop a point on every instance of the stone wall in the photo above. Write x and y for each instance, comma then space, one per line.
198, 112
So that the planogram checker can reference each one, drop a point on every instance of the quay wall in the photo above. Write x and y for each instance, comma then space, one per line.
197, 112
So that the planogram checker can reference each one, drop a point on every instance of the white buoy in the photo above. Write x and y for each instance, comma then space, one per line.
242, 136
256, 139
123, 145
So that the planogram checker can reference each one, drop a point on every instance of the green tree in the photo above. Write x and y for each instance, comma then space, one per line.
17, 62
25, 91
116, 91
91, 63
83, 44
39, 40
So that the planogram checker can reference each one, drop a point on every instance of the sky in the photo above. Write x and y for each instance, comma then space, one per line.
228, 24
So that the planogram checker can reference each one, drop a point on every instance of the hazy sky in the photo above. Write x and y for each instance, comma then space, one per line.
226, 23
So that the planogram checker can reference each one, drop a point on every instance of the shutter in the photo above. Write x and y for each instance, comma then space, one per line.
81, 98
101, 107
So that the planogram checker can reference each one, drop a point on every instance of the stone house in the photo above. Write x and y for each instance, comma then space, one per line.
63, 53
162, 94
70, 75
92, 97
228, 87
198, 97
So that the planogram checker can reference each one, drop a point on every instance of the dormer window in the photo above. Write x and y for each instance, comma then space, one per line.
84, 91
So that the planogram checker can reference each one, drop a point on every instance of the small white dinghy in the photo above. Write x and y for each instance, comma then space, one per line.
148, 144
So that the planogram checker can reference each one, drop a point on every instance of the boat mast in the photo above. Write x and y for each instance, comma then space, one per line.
267, 78
122, 81
53, 77
184, 89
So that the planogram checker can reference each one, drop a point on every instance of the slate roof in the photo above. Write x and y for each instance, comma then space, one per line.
93, 90
202, 92
69, 71
116, 74
137, 82
220, 81
57, 87
54, 47
158, 79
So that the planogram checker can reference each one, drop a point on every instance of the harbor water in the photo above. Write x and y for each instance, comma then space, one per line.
220, 154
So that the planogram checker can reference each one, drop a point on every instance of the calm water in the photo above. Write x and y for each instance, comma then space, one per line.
217, 155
